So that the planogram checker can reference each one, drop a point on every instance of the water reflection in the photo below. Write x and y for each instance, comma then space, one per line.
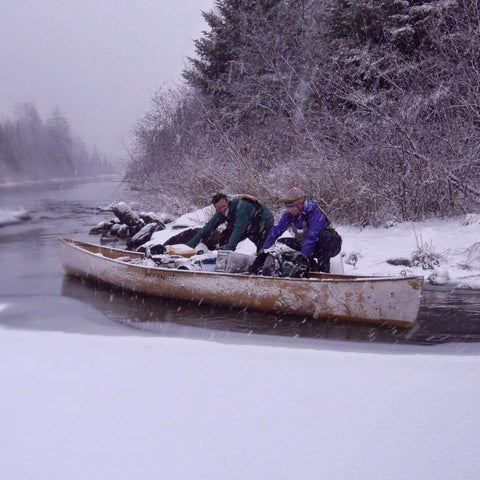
443, 317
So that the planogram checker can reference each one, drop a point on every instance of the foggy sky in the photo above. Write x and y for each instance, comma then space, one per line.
98, 61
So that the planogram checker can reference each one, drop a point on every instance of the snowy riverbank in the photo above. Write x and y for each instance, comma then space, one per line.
454, 243
90, 406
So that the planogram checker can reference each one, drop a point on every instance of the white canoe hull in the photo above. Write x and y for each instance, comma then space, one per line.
392, 300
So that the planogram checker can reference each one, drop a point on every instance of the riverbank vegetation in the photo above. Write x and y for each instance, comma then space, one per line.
370, 107
33, 149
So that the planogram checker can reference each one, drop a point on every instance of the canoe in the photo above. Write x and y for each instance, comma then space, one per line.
387, 300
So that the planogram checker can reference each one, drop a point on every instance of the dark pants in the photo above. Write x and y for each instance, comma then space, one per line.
256, 233
328, 245
259, 234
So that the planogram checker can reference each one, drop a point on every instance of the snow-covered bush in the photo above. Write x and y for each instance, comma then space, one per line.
352, 258
472, 257
425, 256
471, 219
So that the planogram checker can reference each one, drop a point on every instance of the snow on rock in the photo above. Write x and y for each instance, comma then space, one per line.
439, 277
128, 216
152, 217
196, 218
10, 217
108, 208
141, 236
103, 227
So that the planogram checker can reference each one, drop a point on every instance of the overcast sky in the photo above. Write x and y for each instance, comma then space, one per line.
98, 61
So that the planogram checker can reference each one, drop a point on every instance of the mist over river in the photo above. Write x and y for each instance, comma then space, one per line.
35, 293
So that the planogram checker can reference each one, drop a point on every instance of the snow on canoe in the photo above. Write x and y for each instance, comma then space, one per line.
392, 300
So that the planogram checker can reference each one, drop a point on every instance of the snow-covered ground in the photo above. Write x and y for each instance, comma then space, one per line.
84, 406
454, 243
126, 406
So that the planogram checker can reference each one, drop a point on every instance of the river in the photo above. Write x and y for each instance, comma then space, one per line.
35, 293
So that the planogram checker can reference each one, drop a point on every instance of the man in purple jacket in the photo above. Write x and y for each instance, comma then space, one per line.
313, 235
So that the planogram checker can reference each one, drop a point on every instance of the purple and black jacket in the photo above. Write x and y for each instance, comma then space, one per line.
311, 220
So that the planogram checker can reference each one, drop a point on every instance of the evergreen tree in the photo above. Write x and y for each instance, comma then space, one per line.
221, 50
60, 144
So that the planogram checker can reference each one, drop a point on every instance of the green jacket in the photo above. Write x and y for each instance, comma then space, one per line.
241, 219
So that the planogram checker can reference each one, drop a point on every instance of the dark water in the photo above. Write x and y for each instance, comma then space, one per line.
35, 294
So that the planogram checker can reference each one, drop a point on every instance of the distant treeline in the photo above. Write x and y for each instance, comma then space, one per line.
371, 107
31, 149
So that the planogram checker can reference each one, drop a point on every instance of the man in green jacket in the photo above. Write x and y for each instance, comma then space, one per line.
245, 218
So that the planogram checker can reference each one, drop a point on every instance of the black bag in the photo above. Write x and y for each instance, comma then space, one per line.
281, 261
